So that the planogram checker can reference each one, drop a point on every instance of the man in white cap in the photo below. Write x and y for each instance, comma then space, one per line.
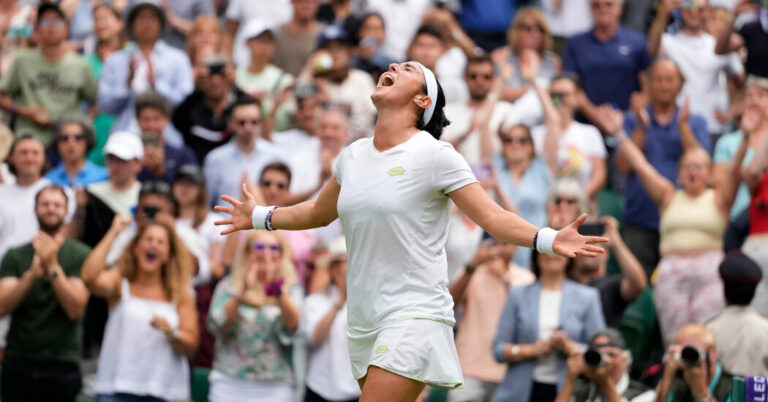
118, 195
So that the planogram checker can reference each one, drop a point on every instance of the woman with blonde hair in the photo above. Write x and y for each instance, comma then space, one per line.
152, 325
253, 315
528, 32
205, 33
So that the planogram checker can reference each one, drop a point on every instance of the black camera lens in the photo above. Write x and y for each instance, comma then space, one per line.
691, 355
150, 212
216, 69
593, 358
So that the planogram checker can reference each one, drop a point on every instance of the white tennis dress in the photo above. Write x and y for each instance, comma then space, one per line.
395, 211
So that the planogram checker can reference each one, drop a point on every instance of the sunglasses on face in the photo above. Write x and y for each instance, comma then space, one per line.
253, 122
530, 28
262, 247
508, 139
51, 22
474, 76
65, 138
561, 200
693, 166
279, 184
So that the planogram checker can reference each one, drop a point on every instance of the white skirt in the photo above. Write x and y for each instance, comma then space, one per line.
419, 349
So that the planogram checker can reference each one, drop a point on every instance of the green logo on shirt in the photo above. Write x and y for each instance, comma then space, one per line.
396, 171
382, 349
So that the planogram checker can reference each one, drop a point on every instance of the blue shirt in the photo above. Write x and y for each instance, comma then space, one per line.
174, 158
663, 149
609, 71
225, 165
725, 149
172, 76
90, 173
529, 195
487, 16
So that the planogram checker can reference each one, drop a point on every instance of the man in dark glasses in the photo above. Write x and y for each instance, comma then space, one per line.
74, 138
244, 156
463, 132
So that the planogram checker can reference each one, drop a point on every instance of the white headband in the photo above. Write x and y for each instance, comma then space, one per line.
429, 78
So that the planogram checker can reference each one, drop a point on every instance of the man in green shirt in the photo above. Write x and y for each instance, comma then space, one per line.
45, 84
40, 288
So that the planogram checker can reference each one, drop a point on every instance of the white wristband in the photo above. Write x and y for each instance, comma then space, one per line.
545, 239
259, 216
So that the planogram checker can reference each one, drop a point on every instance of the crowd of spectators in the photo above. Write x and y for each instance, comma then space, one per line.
123, 122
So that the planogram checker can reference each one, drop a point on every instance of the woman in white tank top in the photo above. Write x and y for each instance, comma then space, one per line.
392, 194
152, 326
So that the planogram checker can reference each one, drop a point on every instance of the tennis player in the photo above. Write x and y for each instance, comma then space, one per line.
392, 193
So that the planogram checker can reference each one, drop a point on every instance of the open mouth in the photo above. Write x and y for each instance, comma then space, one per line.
151, 256
386, 80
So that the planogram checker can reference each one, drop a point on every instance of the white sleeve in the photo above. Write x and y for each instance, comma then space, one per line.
537, 135
451, 171
314, 309
233, 12
336, 168
595, 145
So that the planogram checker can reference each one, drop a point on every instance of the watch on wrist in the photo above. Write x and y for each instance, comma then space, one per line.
469, 269
174, 335
54, 273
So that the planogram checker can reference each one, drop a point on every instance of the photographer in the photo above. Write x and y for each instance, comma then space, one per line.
694, 355
605, 367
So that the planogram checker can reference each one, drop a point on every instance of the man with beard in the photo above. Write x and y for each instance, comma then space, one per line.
41, 290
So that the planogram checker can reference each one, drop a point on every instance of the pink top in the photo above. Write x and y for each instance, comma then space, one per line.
483, 303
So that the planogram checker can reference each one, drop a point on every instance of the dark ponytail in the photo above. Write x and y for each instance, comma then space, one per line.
439, 120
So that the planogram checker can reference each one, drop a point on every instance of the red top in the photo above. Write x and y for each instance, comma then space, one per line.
758, 208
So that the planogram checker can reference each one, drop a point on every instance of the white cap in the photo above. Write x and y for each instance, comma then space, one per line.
338, 249
124, 145
254, 28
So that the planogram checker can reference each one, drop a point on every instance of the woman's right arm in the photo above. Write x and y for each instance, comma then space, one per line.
658, 188
505, 350
103, 283
307, 215
754, 172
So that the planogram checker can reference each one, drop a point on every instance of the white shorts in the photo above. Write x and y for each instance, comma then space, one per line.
419, 349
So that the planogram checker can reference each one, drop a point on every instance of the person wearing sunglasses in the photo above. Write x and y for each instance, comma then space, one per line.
73, 141
246, 153
693, 218
393, 196
254, 314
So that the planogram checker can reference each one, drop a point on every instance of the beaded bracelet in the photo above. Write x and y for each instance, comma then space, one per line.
268, 220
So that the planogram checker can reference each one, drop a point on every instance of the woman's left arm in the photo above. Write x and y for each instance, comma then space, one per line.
187, 337
511, 228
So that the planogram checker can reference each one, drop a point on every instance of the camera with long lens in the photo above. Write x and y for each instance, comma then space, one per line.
692, 356
593, 358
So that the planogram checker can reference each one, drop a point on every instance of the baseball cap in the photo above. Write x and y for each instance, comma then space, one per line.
331, 33
124, 145
254, 28
192, 172
615, 339
737, 267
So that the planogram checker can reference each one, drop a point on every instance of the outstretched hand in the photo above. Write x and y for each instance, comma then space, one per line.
239, 213
569, 243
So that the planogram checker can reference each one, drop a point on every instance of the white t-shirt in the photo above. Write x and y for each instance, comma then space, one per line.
402, 19
394, 207
353, 96
273, 12
208, 233
450, 72
573, 17
302, 154
705, 74
121, 202
328, 373
462, 244
578, 144
545, 370
460, 115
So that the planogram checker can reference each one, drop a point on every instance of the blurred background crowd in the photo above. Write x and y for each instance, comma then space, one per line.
123, 122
